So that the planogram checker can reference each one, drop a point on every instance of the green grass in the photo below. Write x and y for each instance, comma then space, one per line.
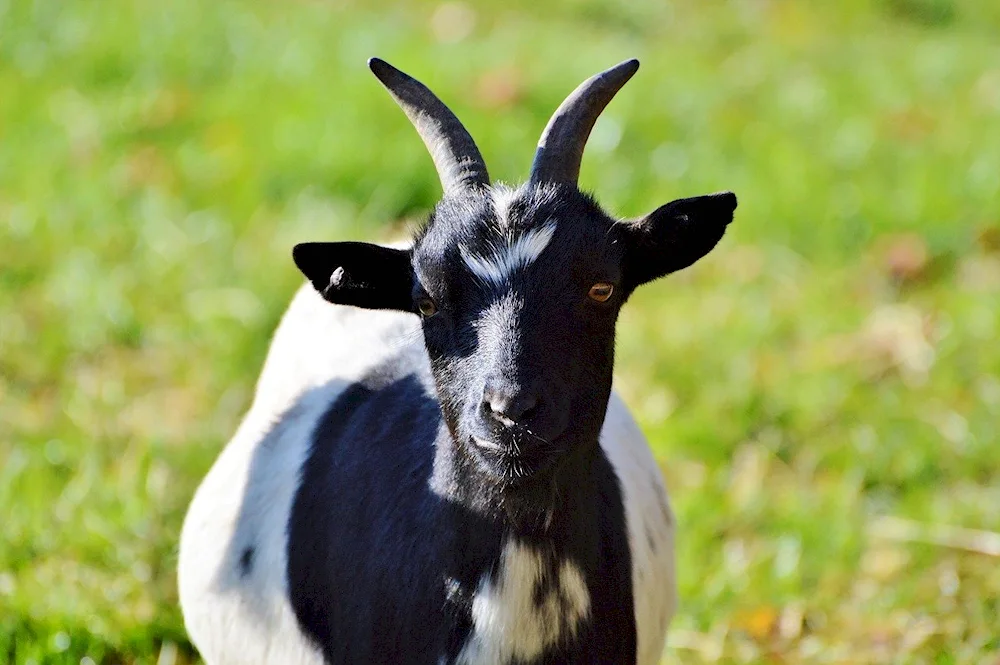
834, 363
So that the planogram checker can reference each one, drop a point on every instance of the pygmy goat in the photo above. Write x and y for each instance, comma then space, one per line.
434, 468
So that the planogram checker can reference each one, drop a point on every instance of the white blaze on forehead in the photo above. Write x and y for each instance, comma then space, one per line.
503, 196
505, 255
505, 251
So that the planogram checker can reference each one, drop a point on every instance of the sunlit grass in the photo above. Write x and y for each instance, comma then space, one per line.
833, 364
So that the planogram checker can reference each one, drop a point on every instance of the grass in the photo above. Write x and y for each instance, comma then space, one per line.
823, 391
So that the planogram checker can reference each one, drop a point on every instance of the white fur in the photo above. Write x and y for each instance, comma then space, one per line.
317, 351
245, 499
650, 528
508, 625
504, 257
506, 253
502, 196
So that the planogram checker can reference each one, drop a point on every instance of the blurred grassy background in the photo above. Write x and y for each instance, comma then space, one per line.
823, 391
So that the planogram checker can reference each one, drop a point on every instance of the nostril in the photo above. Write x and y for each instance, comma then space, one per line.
495, 404
509, 408
525, 407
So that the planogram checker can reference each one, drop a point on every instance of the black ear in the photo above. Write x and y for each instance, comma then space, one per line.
674, 236
358, 273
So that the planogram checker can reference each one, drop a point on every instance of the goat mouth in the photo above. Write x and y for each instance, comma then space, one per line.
506, 447
510, 461
491, 446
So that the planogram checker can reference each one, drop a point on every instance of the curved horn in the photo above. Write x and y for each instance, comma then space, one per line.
455, 155
560, 149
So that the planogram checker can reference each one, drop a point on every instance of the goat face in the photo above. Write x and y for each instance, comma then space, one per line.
521, 351
518, 289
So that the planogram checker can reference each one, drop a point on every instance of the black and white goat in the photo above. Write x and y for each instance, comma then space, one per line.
440, 473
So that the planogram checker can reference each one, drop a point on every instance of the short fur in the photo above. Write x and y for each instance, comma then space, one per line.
459, 488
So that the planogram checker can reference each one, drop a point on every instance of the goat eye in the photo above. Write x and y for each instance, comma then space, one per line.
426, 307
601, 291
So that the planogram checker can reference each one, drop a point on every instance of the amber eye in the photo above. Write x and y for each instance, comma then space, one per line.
426, 307
601, 291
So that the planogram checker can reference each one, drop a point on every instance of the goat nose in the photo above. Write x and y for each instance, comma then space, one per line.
509, 406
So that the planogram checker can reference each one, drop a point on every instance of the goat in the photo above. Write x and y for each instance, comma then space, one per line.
435, 468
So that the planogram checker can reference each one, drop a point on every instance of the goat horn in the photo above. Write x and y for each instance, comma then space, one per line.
456, 157
560, 149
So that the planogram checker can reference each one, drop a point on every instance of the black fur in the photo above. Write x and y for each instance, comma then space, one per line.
414, 483
674, 236
246, 561
383, 560
369, 276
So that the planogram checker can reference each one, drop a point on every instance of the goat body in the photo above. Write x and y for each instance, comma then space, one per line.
463, 487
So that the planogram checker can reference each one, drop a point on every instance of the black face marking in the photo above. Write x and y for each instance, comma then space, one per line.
522, 357
246, 561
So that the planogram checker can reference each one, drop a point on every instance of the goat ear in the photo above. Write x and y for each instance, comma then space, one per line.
358, 273
674, 236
